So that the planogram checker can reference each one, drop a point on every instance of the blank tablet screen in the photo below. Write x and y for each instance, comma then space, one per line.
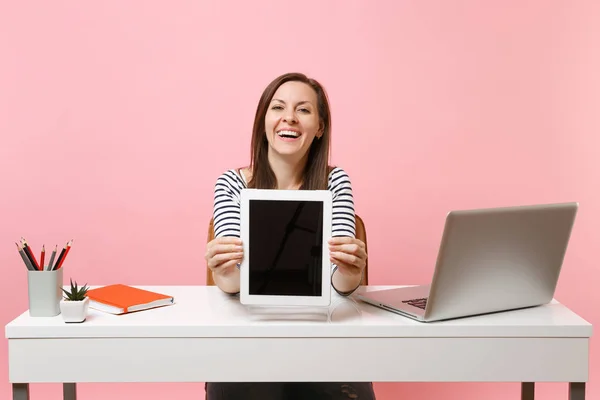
286, 244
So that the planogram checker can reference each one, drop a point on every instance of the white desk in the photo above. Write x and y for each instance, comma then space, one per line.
186, 342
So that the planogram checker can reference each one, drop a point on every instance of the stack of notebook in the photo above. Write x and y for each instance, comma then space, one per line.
122, 299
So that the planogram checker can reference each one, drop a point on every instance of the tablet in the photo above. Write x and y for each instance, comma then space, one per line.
286, 256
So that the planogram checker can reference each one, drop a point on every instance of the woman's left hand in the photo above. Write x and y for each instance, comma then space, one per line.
349, 254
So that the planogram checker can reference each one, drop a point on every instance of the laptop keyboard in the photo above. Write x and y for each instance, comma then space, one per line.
420, 303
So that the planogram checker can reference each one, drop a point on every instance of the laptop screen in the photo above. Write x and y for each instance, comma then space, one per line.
286, 240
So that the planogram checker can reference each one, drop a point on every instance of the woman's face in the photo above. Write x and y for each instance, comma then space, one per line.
292, 120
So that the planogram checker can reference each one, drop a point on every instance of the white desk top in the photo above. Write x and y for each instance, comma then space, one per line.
205, 311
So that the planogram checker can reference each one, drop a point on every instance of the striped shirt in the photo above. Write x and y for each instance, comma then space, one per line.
226, 207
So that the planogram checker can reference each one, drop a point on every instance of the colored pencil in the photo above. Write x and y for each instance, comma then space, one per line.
66, 253
62, 255
42, 256
25, 258
29, 253
49, 268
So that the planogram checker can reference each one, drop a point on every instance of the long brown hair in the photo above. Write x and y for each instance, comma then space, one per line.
317, 166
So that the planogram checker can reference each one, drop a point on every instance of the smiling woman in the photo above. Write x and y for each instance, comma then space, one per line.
292, 105
290, 151
292, 122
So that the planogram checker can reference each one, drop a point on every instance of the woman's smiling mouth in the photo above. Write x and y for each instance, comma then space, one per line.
288, 135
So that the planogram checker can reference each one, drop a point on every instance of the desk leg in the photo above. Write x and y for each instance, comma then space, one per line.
577, 391
20, 391
527, 390
69, 391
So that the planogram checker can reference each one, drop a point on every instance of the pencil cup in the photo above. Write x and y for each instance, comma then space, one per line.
45, 291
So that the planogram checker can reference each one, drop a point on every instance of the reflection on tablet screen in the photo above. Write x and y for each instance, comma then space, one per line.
286, 240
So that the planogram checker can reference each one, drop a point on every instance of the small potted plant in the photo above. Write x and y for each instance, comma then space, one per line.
74, 305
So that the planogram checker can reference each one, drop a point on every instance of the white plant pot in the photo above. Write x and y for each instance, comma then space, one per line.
74, 311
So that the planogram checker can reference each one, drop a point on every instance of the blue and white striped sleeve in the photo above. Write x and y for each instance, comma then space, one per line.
343, 218
226, 206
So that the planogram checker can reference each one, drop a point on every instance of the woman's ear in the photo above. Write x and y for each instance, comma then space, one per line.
321, 130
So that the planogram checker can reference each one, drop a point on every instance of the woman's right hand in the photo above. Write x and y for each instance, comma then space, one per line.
223, 253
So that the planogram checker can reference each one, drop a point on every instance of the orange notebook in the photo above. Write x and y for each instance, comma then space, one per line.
122, 299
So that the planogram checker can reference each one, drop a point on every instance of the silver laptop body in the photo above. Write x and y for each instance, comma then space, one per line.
490, 260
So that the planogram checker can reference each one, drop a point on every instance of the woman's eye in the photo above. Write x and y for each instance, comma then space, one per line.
276, 108
304, 110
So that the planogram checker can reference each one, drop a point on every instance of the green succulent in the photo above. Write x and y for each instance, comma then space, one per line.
76, 294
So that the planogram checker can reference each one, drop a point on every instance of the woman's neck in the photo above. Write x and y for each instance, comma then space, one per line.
288, 171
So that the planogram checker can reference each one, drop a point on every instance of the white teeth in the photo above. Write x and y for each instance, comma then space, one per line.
288, 134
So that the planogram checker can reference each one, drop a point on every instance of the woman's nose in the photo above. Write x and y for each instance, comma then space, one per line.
290, 118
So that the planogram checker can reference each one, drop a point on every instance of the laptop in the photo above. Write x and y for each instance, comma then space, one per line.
490, 260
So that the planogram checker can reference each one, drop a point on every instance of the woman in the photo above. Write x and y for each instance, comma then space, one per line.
290, 150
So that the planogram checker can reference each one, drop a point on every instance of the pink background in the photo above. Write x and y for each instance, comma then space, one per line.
117, 117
